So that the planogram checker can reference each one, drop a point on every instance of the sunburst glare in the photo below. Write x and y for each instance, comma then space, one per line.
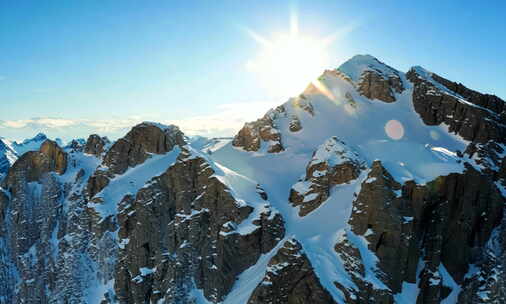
288, 62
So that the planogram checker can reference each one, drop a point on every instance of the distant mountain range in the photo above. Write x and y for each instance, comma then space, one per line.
371, 186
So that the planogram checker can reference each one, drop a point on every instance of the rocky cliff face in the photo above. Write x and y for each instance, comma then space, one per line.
187, 229
474, 116
414, 230
372, 186
290, 278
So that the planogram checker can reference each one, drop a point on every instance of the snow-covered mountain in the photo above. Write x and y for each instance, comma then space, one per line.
7, 155
371, 186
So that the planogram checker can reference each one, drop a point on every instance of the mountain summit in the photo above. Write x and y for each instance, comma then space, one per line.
371, 186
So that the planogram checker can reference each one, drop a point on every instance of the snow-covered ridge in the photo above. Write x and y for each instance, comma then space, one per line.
334, 152
424, 74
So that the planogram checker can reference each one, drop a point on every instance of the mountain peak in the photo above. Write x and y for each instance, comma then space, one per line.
355, 66
38, 137
163, 127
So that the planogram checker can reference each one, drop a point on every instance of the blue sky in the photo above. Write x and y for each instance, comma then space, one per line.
69, 68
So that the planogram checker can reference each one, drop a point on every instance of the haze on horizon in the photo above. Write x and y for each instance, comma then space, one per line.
72, 69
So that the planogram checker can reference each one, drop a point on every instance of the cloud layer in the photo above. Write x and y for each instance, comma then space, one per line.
225, 121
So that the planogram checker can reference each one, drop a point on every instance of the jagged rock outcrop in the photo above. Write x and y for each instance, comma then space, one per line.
374, 85
414, 230
484, 283
385, 222
333, 163
373, 78
253, 134
290, 279
474, 116
295, 124
187, 230
57, 158
133, 149
76, 145
136, 146
302, 101
96, 145
33, 165
363, 288
11, 151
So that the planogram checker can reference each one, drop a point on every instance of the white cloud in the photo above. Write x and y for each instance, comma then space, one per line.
47, 122
226, 120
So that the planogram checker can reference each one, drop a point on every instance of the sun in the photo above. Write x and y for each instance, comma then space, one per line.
288, 62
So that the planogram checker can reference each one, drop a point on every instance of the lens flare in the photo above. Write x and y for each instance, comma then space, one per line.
394, 129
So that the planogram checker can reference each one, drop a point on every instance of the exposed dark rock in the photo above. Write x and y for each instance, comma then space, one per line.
57, 158
251, 136
425, 223
485, 283
95, 145
133, 149
303, 103
374, 85
333, 163
182, 229
33, 165
75, 145
290, 279
474, 116
295, 125
364, 291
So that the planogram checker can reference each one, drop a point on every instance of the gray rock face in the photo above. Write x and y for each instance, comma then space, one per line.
290, 279
182, 231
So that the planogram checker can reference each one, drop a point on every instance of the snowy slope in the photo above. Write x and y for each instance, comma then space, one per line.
391, 132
